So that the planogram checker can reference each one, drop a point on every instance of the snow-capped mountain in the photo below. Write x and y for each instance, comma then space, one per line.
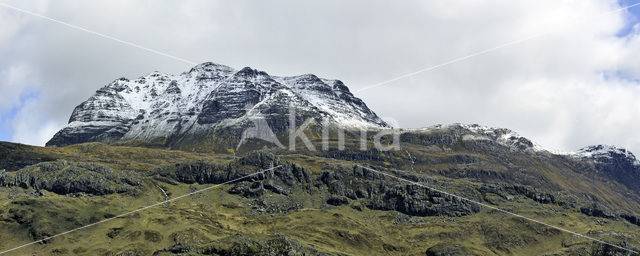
618, 163
162, 109
604, 153
476, 132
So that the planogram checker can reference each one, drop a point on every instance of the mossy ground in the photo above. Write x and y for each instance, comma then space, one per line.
348, 229
342, 229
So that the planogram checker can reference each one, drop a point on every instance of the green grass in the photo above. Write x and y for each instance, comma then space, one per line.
215, 215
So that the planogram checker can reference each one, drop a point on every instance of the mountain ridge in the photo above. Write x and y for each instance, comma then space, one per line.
209, 96
160, 106
209, 108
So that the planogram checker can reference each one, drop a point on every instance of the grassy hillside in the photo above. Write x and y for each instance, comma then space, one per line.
317, 203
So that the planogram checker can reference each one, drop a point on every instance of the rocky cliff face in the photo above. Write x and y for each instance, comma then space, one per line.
616, 163
166, 109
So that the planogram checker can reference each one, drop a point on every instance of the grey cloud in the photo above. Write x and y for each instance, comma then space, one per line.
549, 89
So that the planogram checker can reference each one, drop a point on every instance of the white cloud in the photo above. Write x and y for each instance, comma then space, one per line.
32, 124
552, 89
12, 87
9, 28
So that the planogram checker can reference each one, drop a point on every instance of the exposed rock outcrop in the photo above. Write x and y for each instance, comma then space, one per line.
63, 177
384, 193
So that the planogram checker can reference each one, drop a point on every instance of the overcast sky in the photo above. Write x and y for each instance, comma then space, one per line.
576, 85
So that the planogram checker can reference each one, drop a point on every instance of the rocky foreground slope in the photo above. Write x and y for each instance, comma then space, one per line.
320, 202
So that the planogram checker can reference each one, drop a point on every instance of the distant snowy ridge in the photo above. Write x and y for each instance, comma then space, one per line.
607, 153
511, 139
476, 132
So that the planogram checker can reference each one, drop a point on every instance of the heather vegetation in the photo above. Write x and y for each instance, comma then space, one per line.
314, 202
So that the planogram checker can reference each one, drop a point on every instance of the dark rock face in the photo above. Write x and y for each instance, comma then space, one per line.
597, 210
617, 163
89, 133
448, 250
383, 193
64, 177
540, 197
280, 179
338, 184
167, 110
337, 201
246, 189
631, 219
608, 250
232, 98
198, 172
507, 191
419, 201
428, 139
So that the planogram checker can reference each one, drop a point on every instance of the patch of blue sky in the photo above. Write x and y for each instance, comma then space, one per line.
617, 75
633, 19
7, 117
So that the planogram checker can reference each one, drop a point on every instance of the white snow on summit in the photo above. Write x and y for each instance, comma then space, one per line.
161, 105
502, 136
605, 151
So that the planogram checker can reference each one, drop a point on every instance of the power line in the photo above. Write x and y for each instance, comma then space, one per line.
138, 210
498, 209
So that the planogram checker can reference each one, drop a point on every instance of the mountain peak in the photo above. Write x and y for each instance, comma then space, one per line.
601, 152
250, 72
618, 163
502, 136
210, 66
167, 110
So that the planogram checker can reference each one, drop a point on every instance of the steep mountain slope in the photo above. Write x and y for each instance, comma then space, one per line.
618, 164
169, 110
